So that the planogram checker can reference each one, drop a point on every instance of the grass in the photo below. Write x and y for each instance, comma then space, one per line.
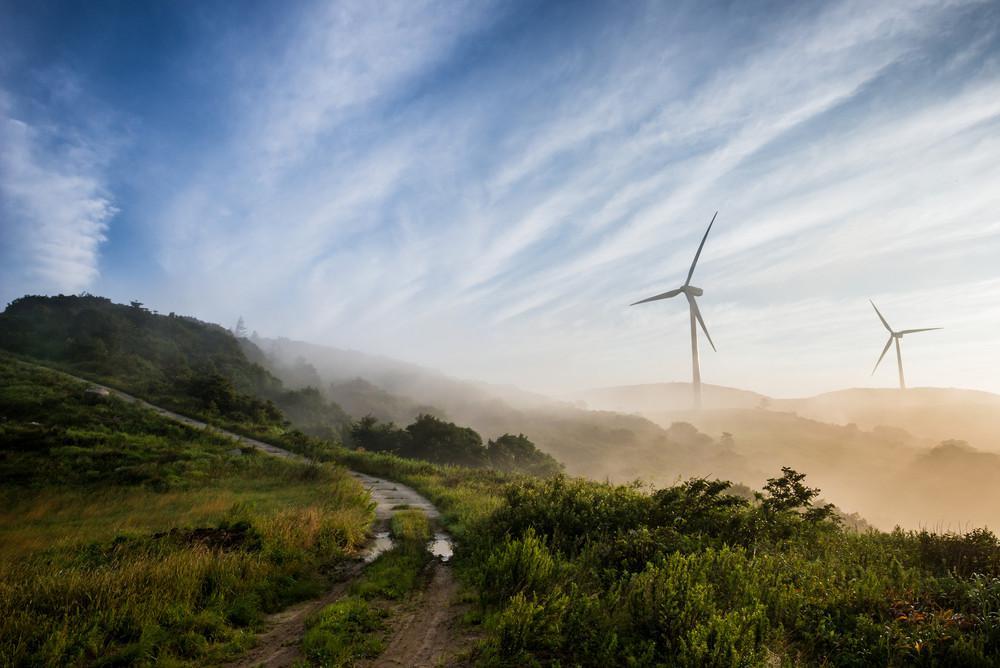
354, 627
576, 572
126, 538
129, 539
344, 632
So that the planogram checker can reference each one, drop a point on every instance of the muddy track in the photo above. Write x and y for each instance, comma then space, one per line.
279, 645
426, 630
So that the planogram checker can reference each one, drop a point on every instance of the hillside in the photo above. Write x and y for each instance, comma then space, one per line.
887, 474
935, 413
876, 469
129, 539
656, 397
202, 370
177, 361
599, 444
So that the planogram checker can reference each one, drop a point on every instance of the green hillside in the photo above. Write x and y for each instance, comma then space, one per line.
128, 539
201, 369
177, 361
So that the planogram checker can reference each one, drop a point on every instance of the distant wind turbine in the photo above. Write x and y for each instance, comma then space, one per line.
691, 292
896, 336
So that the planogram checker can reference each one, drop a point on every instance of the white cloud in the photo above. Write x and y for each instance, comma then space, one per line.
55, 209
519, 208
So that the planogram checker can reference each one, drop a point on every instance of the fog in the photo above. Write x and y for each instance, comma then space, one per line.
920, 458
482, 190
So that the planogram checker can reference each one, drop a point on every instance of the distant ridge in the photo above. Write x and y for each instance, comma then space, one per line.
660, 397
932, 412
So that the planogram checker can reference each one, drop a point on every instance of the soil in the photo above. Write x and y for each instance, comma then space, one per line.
278, 646
428, 631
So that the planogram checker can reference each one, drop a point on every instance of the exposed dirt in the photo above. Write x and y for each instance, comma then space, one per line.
279, 645
428, 631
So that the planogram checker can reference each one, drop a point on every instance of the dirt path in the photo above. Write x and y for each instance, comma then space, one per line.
278, 646
427, 630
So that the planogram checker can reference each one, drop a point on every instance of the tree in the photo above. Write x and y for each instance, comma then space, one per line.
789, 493
369, 434
444, 442
240, 331
517, 453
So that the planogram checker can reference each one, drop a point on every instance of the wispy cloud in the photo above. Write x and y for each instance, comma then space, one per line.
55, 207
486, 187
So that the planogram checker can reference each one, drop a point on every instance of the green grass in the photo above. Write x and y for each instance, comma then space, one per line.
576, 572
344, 632
354, 627
410, 526
126, 538
129, 539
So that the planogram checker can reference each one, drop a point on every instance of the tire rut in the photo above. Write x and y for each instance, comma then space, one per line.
425, 634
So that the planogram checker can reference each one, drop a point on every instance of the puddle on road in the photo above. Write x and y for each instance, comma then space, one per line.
441, 546
382, 543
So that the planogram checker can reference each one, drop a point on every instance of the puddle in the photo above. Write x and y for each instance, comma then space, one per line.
382, 543
441, 546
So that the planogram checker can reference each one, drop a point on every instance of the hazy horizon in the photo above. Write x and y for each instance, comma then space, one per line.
483, 188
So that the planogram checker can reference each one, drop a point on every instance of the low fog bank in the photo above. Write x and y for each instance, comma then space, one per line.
852, 444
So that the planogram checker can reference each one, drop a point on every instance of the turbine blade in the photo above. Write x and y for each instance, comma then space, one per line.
925, 329
665, 295
884, 351
701, 321
698, 254
880, 316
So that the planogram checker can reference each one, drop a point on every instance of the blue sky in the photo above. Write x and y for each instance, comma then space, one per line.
484, 187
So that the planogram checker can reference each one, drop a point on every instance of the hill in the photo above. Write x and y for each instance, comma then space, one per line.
203, 370
936, 413
873, 468
895, 457
176, 361
129, 539
888, 474
656, 397
599, 444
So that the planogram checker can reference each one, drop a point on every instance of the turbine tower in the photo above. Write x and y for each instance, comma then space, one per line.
690, 292
896, 336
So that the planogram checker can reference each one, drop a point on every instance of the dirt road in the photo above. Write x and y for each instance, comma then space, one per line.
427, 630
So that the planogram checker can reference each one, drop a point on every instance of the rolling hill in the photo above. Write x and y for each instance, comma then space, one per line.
656, 397
932, 412
874, 452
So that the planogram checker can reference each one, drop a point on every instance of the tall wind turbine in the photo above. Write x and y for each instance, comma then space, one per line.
896, 336
690, 292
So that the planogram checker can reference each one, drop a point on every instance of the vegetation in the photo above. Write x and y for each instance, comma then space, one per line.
202, 370
354, 627
575, 572
174, 361
126, 538
441, 442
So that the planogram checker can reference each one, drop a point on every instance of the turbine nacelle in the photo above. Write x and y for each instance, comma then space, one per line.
693, 291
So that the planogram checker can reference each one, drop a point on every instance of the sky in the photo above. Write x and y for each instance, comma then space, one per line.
484, 187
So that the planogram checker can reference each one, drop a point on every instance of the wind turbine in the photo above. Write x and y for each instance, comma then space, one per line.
690, 292
896, 336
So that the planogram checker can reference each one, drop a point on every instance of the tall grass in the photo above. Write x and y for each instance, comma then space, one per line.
354, 628
126, 539
576, 572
